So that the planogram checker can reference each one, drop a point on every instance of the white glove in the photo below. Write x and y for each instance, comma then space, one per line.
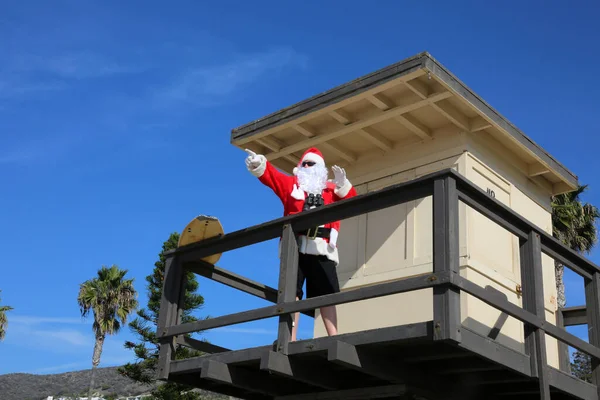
339, 176
253, 161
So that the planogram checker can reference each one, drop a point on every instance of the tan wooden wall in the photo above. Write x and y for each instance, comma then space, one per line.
397, 242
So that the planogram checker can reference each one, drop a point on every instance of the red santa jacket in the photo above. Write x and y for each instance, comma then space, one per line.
292, 197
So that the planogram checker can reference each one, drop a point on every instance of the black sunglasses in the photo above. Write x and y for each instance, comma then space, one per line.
309, 163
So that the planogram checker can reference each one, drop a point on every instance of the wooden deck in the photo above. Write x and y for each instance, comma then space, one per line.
383, 363
439, 359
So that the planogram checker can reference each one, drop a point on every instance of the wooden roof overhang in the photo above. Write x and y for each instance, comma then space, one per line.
412, 101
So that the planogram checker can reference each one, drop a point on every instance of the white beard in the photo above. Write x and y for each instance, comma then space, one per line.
312, 179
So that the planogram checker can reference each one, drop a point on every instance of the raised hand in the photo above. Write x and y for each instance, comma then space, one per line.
252, 161
339, 176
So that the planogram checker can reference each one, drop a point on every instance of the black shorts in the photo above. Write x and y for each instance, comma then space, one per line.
320, 275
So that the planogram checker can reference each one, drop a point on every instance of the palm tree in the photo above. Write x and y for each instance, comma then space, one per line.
574, 224
112, 299
3, 320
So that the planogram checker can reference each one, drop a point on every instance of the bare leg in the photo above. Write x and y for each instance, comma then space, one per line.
329, 315
295, 327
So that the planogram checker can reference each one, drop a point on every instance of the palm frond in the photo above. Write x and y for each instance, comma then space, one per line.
110, 297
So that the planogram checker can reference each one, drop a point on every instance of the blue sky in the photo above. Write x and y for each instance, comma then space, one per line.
115, 121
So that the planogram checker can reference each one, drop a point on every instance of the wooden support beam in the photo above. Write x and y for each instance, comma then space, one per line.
525, 316
373, 392
418, 87
564, 359
349, 100
346, 155
238, 377
199, 345
494, 377
479, 123
341, 116
353, 357
376, 138
469, 366
435, 355
493, 351
288, 275
306, 132
416, 332
475, 124
571, 384
561, 187
446, 300
363, 293
567, 257
592, 302
380, 101
236, 281
393, 112
576, 315
232, 280
288, 367
536, 169
415, 126
274, 144
520, 390
453, 115
533, 301
168, 314
389, 368
270, 142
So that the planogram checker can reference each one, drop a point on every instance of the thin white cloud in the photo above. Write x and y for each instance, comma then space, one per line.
25, 75
74, 65
49, 331
36, 320
69, 336
210, 85
17, 87
39, 149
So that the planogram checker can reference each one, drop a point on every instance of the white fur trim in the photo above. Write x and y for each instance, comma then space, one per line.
317, 246
333, 236
344, 189
313, 157
298, 193
260, 170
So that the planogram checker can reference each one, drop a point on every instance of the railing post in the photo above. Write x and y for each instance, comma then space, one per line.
169, 314
446, 299
288, 275
592, 302
563, 348
533, 301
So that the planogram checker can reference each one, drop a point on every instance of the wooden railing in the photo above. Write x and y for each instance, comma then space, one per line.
448, 188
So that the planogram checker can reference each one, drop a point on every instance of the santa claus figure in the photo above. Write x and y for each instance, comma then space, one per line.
308, 188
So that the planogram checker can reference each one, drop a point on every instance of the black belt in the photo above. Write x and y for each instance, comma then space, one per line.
313, 233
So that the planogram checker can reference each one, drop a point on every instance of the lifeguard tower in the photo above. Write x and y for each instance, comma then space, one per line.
447, 256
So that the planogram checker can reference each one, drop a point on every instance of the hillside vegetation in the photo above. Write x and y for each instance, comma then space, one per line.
108, 382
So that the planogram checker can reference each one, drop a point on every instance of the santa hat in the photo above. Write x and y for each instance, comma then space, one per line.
313, 154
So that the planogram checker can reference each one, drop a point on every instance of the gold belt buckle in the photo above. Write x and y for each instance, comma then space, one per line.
312, 237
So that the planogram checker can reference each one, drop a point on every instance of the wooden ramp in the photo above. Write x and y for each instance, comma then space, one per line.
388, 363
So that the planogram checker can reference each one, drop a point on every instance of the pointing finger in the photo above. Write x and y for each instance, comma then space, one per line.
250, 152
